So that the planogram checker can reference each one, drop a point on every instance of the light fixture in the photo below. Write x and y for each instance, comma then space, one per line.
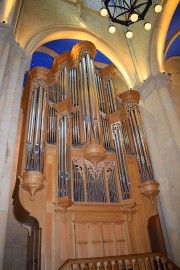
147, 26
134, 17
158, 8
103, 12
127, 12
129, 34
112, 29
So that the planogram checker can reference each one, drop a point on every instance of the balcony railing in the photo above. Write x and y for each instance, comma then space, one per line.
145, 261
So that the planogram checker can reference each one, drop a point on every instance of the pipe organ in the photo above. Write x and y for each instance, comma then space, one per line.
86, 147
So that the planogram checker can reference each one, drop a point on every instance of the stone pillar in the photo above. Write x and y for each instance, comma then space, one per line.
12, 67
162, 128
9, 11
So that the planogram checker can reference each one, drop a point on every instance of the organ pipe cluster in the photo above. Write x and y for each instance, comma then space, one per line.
35, 143
139, 138
79, 109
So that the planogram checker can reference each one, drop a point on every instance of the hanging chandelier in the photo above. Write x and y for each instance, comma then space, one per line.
127, 12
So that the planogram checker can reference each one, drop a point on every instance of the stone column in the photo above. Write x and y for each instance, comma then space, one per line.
163, 133
12, 67
9, 11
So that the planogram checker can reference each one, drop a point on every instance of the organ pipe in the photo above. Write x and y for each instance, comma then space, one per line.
78, 181
112, 186
63, 157
139, 138
35, 144
51, 132
92, 130
95, 183
122, 166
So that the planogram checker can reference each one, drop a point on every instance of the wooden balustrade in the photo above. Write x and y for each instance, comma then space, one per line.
144, 261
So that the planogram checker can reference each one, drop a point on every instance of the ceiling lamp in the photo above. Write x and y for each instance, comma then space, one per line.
103, 11
134, 17
112, 29
147, 26
158, 8
129, 34
127, 12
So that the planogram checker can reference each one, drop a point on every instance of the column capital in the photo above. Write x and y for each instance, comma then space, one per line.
154, 82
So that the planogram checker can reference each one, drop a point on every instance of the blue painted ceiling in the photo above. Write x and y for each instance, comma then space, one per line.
41, 59
59, 46
174, 49
175, 23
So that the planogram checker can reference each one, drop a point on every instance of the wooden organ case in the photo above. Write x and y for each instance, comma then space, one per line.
84, 164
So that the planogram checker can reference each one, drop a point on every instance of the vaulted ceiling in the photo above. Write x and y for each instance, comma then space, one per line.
44, 55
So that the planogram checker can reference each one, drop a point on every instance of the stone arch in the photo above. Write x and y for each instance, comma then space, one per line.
159, 37
54, 32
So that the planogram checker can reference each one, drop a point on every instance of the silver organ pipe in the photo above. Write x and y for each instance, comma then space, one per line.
75, 115
95, 184
63, 85
103, 120
85, 95
101, 98
111, 87
75, 129
110, 96
35, 144
63, 137
93, 100
140, 143
82, 98
43, 131
105, 132
112, 186
121, 161
53, 93
90, 111
63, 157
126, 137
51, 131
78, 181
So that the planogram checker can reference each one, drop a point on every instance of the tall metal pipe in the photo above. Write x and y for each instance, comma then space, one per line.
122, 167
112, 94
86, 101
112, 186
126, 137
36, 130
